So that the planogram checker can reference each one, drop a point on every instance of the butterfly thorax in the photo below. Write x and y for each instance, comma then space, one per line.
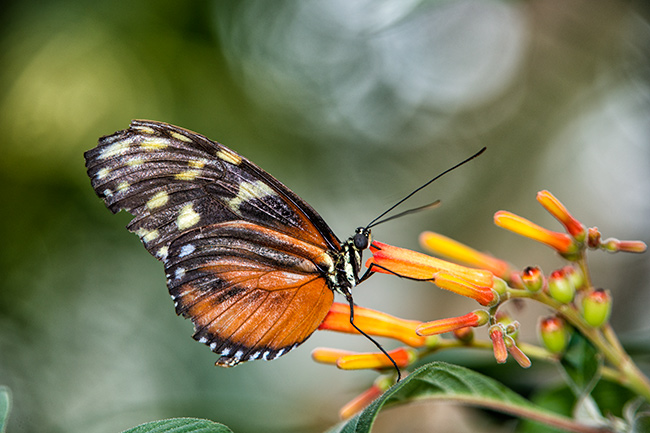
347, 262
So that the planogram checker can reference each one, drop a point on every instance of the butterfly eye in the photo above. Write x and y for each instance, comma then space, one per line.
361, 239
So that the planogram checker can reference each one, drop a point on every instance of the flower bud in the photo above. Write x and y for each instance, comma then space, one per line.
517, 353
508, 324
575, 276
593, 237
613, 245
554, 334
498, 344
560, 288
532, 278
596, 307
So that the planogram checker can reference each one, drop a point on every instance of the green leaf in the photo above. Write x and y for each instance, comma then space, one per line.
581, 362
5, 406
180, 425
447, 382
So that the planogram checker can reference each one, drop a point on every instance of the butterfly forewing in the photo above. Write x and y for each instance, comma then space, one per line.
245, 257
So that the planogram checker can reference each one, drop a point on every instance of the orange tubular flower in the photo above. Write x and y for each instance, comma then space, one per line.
402, 356
474, 283
372, 322
454, 250
364, 399
614, 245
473, 319
561, 242
484, 296
326, 355
557, 209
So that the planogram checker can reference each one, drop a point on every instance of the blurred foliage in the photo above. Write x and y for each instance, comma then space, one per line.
352, 105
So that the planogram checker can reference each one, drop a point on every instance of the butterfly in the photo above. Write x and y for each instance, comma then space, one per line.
250, 263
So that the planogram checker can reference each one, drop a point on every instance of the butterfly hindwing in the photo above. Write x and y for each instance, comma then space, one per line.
245, 257
269, 296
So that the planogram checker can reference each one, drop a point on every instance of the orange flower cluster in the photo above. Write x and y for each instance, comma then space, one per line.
487, 281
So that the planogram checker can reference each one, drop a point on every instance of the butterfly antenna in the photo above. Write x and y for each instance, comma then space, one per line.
399, 373
374, 222
407, 212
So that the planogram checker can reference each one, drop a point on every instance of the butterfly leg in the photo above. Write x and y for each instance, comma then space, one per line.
348, 296
370, 271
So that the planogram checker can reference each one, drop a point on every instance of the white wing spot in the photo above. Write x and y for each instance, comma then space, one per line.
249, 191
213, 346
197, 163
108, 193
180, 273
147, 235
135, 161
154, 143
186, 250
187, 217
203, 340
162, 252
150, 236
266, 355
238, 354
229, 156
157, 200
115, 149
180, 137
188, 175
102, 173
123, 186
144, 129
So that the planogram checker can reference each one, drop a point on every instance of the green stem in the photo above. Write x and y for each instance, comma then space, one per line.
604, 339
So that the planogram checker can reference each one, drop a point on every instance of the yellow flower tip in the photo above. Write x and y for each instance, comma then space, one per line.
388, 259
574, 227
326, 355
498, 344
561, 242
473, 319
484, 295
402, 356
372, 322
461, 253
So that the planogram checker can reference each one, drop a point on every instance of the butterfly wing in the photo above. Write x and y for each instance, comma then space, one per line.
245, 257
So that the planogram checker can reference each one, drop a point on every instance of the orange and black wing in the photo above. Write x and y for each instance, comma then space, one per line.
245, 257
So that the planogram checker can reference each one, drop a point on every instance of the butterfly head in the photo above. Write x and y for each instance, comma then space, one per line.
361, 238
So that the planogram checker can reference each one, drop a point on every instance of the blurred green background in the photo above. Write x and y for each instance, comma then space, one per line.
350, 104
